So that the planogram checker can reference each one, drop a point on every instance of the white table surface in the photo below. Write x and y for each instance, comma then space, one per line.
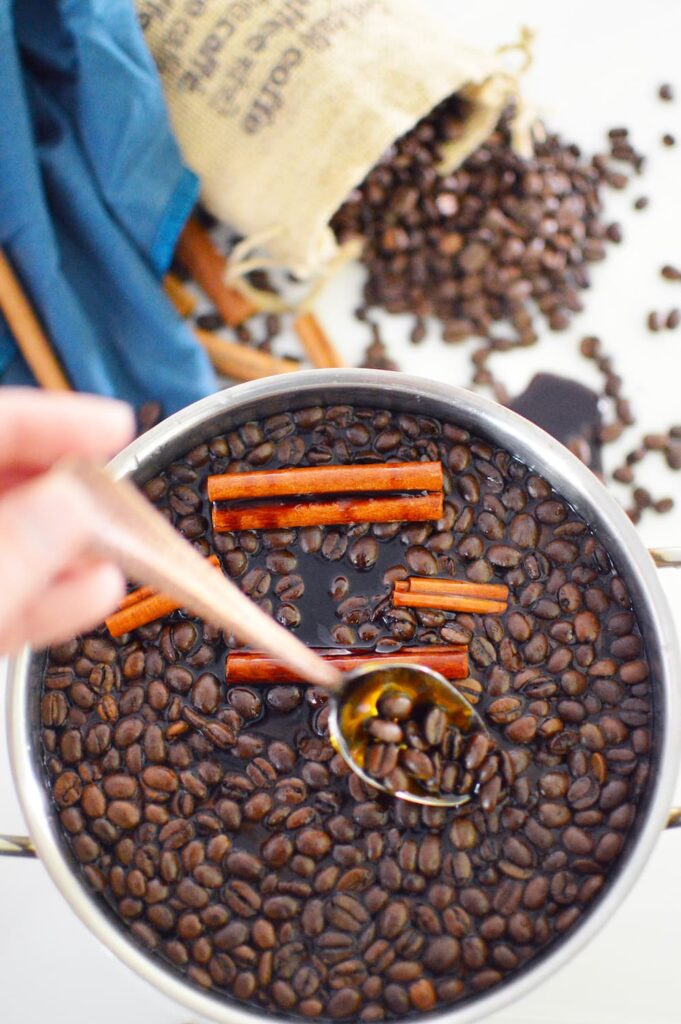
597, 65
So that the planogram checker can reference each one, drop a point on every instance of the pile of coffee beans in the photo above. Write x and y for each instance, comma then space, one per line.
480, 245
491, 242
228, 838
417, 747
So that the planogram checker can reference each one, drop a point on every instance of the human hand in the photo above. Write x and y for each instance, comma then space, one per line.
49, 587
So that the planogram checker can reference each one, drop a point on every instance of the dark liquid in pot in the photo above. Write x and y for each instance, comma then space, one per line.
260, 867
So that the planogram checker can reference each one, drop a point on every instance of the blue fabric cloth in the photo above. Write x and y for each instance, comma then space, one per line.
93, 195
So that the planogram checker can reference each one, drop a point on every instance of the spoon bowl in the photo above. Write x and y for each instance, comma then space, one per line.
355, 703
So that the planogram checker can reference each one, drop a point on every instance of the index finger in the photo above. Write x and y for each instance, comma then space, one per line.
37, 427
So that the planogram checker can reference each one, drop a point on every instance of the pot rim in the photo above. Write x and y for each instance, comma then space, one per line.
541, 452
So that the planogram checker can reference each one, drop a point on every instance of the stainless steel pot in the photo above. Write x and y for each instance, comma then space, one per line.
226, 410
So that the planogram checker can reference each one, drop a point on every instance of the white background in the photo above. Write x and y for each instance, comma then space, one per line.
597, 65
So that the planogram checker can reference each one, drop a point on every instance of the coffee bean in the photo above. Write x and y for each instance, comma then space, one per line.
430, 856
54, 709
482, 651
421, 561
416, 764
334, 546
158, 778
583, 793
434, 726
283, 698
381, 761
281, 562
363, 553
522, 730
587, 627
385, 731
206, 693
313, 843
503, 557
281, 755
235, 563
634, 672
99, 650
277, 851
523, 531
290, 587
393, 919
343, 1004
123, 813
476, 751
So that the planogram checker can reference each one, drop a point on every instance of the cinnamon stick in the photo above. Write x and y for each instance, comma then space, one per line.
319, 513
207, 266
142, 606
240, 362
450, 603
465, 588
316, 342
274, 483
181, 298
253, 667
135, 596
26, 330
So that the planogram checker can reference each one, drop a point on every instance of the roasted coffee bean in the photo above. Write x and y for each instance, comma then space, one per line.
363, 553
123, 813
339, 587
385, 731
247, 702
381, 761
421, 561
281, 755
416, 764
334, 546
283, 698
434, 726
396, 706
54, 709
206, 693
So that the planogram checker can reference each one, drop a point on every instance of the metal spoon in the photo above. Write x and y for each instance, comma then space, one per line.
144, 544
356, 701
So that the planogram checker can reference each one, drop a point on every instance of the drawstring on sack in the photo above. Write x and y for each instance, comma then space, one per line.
524, 46
241, 263
488, 99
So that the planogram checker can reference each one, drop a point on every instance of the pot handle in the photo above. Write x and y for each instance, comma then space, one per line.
668, 558
16, 846
664, 558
